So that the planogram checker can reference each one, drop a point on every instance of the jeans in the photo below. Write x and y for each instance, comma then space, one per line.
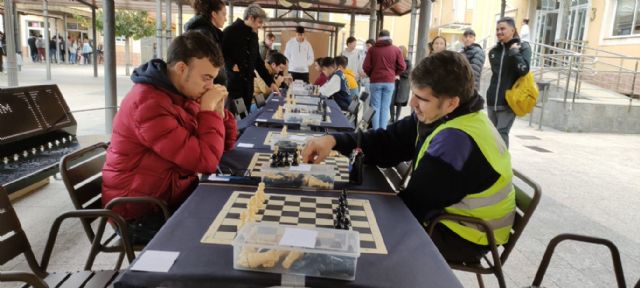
381, 94
503, 120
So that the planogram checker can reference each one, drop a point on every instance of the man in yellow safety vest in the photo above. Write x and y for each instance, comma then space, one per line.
461, 165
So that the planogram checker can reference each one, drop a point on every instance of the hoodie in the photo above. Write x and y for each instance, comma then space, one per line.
475, 55
507, 65
160, 141
383, 62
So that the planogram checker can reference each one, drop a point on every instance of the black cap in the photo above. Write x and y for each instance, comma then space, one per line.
469, 32
300, 29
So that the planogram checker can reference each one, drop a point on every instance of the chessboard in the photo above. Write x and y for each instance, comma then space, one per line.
340, 165
276, 134
275, 116
303, 211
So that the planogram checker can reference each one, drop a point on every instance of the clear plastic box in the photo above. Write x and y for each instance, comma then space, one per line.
301, 176
304, 119
264, 247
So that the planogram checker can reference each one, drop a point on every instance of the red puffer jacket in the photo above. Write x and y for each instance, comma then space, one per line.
160, 141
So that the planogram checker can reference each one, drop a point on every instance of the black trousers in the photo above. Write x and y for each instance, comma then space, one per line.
239, 86
302, 76
454, 248
143, 229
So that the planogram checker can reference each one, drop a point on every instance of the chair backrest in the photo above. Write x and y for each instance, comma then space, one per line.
17, 243
366, 118
259, 99
81, 173
241, 109
525, 206
364, 95
353, 107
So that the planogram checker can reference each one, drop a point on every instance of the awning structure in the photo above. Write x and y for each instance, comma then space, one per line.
282, 24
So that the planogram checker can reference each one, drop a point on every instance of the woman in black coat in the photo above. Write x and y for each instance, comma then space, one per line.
403, 89
209, 20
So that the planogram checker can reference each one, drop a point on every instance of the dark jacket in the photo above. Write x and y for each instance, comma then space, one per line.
475, 55
240, 47
383, 62
403, 86
507, 65
342, 97
160, 141
204, 26
452, 168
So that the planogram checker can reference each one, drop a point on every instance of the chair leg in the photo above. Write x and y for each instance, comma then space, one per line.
480, 282
120, 259
500, 277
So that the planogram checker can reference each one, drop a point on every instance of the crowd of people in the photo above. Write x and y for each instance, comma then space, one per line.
178, 120
79, 51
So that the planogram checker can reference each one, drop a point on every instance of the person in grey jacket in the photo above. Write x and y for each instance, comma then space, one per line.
509, 60
474, 54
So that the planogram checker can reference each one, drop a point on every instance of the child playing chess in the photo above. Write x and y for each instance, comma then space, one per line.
336, 87
352, 83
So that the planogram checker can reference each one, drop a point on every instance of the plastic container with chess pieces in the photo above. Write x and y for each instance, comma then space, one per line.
296, 250
313, 176
304, 119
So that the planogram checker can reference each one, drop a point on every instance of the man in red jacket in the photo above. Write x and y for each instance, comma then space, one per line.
382, 64
171, 126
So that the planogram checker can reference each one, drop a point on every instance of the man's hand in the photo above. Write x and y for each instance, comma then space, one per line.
213, 99
274, 88
363, 75
515, 46
317, 149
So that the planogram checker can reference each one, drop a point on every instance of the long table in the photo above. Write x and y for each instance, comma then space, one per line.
239, 159
412, 260
338, 121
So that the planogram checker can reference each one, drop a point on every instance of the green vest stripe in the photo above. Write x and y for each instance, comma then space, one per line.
495, 205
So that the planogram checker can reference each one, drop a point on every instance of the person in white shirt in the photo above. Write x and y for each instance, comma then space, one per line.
300, 55
355, 56
525, 34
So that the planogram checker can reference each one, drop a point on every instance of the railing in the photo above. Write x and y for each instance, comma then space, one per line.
578, 61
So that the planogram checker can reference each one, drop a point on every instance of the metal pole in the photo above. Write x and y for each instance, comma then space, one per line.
110, 89
46, 38
619, 75
66, 44
633, 86
566, 87
95, 42
179, 18
373, 20
231, 12
16, 36
335, 44
423, 29
168, 27
55, 35
158, 29
412, 30
352, 25
12, 69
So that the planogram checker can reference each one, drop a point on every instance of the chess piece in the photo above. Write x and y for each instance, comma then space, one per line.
324, 111
280, 162
291, 257
295, 159
286, 159
284, 133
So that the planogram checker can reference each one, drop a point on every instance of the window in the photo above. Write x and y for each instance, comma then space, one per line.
627, 18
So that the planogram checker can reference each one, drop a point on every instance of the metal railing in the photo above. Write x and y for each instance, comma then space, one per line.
573, 60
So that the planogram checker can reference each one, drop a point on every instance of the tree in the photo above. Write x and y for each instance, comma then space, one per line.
128, 24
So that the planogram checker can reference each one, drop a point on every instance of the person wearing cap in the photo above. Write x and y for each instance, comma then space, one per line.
300, 54
460, 163
242, 57
474, 54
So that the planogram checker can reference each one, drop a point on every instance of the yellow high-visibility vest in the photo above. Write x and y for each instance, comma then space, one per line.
495, 205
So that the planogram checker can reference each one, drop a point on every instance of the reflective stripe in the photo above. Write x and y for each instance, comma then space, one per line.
494, 224
469, 203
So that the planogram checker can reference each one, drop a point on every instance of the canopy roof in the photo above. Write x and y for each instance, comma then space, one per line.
288, 24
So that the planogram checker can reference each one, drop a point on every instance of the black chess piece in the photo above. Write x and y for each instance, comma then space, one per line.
286, 159
324, 111
295, 159
274, 160
280, 160
345, 223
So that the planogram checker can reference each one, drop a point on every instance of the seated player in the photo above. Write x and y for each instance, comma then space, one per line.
276, 64
336, 87
460, 163
352, 83
321, 77
171, 126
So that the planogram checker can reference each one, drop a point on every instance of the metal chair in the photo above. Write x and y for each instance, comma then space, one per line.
365, 122
525, 206
353, 110
548, 253
364, 95
15, 243
260, 101
81, 173
241, 109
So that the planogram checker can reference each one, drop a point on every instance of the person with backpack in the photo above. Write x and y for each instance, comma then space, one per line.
510, 60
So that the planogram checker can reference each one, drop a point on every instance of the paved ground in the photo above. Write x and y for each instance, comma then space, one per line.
590, 183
